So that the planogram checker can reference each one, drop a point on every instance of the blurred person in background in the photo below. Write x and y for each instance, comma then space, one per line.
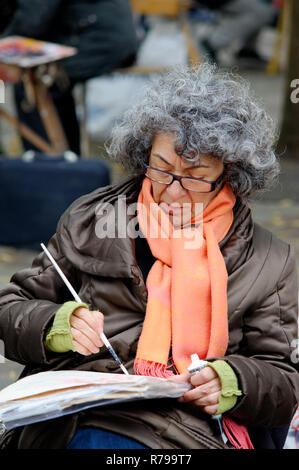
238, 24
103, 33
7, 9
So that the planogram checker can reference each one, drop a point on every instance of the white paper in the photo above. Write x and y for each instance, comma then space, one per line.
48, 395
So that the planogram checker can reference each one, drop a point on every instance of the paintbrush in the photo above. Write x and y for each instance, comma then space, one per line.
77, 298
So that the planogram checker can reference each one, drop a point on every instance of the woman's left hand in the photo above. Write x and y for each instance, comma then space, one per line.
206, 391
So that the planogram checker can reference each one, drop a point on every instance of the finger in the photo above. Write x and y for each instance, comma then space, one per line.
94, 318
210, 400
210, 410
83, 340
203, 390
181, 378
205, 375
82, 326
81, 349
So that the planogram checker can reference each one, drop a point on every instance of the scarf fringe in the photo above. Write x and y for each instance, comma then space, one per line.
237, 434
154, 369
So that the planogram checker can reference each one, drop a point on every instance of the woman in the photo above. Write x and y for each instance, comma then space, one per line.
192, 274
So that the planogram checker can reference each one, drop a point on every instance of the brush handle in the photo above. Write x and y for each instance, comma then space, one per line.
77, 298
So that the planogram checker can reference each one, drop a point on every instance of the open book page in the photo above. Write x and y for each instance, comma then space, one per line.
52, 394
63, 379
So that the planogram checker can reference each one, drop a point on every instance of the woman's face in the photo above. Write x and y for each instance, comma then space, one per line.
172, 197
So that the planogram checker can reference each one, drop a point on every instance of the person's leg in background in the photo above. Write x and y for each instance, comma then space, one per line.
239, 21
65, 105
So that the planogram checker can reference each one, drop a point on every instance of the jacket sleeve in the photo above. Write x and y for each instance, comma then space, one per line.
268, 368
28, 305
33, 18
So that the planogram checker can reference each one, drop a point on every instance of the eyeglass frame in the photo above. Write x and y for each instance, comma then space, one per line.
213, 184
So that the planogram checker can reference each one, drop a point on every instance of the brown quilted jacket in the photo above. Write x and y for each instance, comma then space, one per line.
262, 315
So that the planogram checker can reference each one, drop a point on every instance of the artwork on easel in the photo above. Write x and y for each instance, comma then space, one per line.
28, 52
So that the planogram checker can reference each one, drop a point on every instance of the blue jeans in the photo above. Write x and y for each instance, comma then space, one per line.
93, 438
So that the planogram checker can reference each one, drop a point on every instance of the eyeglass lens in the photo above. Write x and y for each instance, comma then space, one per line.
189, 184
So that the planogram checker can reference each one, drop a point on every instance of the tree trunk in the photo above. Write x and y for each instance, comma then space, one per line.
289, 134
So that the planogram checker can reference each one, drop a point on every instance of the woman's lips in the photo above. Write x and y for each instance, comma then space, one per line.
175, 208
171, 208
178, 214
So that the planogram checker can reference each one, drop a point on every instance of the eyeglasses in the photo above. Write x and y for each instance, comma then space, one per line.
191, 184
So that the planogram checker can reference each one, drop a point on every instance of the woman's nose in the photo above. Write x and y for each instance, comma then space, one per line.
175, 189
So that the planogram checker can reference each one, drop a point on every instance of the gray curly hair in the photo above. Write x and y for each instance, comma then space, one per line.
210, 112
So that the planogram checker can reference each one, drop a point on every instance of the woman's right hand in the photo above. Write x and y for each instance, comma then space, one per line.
86, 327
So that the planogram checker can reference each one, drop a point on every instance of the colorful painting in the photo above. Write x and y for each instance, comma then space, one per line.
27, 52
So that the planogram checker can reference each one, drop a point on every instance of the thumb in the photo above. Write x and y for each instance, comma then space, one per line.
185, 377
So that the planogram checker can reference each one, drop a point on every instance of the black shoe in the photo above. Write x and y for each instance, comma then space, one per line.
208, 51
251, 57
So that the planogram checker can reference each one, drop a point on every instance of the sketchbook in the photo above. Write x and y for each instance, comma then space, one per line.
52, 394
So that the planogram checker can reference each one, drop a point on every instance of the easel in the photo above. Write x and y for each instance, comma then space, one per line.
36, 81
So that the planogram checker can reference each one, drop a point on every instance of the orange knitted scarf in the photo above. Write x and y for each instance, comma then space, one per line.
186, 311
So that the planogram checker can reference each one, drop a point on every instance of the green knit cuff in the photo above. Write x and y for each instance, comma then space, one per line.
229, 382
59, 338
